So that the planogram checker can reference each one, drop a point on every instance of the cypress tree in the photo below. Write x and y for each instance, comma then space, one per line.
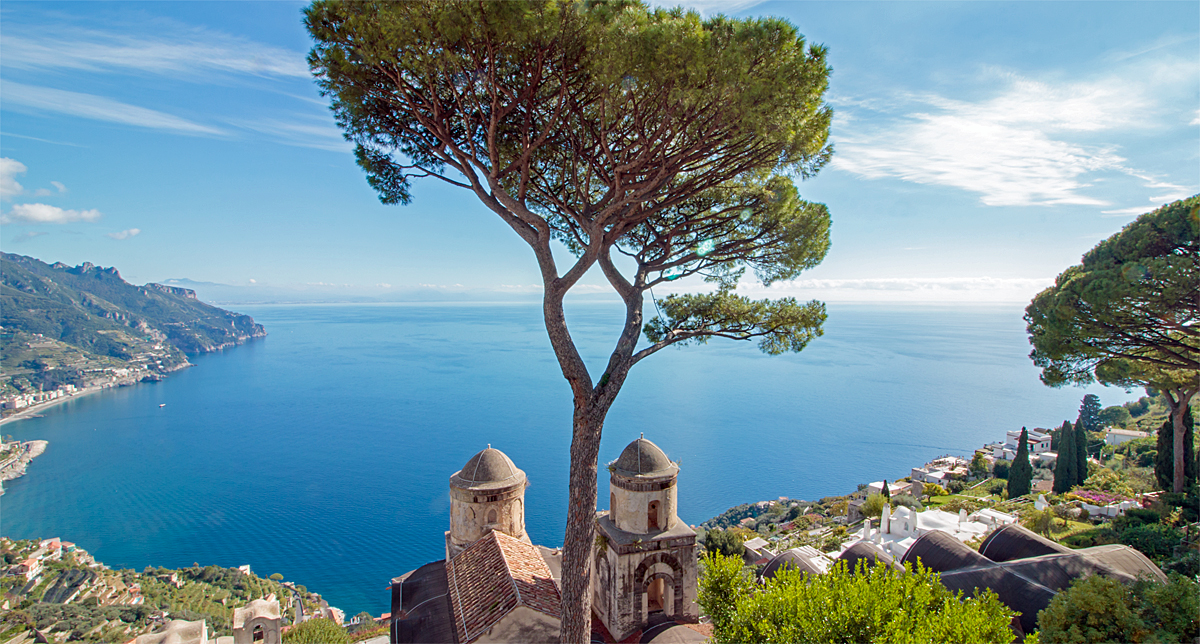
1020, 475
1081, 446
1164, 462
887, 495
1066, 465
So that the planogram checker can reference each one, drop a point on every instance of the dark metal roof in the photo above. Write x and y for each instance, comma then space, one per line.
1015, 542
865, 550
939, 551
643, 458
791, 558
421, 609
1026, 584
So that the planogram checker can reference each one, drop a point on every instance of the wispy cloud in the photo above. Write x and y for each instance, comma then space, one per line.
34, 138
1166, 192
1019, 146
901, 289
301, 131
1001, 148
24, 237
98, 108
174, 50
9, 169
40, 213
124, 234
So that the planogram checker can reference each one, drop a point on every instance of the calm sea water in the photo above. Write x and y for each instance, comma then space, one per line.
323, 451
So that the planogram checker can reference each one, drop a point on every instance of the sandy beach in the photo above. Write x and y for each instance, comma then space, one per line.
32, 412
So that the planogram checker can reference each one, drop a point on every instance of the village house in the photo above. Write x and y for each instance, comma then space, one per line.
1117, 436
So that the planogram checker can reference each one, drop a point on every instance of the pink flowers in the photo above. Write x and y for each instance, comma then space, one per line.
1098, 498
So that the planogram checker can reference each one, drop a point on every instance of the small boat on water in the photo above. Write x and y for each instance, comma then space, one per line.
162, 405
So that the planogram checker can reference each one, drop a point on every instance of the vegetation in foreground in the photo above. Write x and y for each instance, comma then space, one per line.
870, 604
1098, 609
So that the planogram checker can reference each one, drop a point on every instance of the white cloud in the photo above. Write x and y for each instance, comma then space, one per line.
9, 169
1019, 146
898, 289
124, 234
1001, 147
40, 213
304, 132
43, 192
1126, 212
97, 108
175, 50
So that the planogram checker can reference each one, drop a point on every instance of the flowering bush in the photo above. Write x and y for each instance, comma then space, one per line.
1097, 498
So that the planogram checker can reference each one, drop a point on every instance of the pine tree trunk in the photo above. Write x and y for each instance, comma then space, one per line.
581, 523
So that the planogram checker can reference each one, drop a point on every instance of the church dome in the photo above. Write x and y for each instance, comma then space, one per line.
643, 458
488, 468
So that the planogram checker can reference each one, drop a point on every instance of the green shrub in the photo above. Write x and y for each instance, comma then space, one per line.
906, 500
961, 503
1135, 517
1099, 536
1098, 609
872, 604
726, 542
872, 507
317, 631
1156, 541
1187, 565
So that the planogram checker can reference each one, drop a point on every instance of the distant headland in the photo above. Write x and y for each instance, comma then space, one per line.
67, 331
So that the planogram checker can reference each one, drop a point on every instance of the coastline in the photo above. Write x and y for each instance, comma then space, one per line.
14, 467
32, 411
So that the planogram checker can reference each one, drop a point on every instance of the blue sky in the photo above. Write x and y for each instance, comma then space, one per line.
981, 148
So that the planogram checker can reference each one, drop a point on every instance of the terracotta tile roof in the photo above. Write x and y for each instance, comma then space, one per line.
493, 576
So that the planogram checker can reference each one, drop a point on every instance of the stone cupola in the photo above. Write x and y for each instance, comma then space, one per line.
642, 493
487, 494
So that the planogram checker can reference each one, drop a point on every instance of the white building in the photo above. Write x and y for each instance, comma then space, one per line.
899, 528
1118, 436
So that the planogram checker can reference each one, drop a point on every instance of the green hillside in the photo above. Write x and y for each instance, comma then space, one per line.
86, 326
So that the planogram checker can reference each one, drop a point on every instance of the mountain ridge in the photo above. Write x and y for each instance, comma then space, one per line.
74, 325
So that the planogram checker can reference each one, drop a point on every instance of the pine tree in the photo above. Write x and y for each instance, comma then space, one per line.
1081, 454
1066, 465
1020, 475
1089, 413
1164, 463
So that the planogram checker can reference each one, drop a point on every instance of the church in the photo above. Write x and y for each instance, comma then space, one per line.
495, 585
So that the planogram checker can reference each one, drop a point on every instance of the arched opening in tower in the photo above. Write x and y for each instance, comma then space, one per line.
652, 521
655, 594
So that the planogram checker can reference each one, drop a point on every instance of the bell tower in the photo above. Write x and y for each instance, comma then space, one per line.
644, 560
487, 494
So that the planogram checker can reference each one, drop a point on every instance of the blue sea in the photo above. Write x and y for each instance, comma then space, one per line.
323, 451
